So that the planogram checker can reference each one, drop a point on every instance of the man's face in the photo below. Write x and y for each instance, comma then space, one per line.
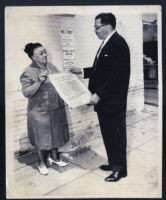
101, 30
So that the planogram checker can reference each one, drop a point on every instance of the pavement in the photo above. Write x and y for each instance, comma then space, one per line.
82, 178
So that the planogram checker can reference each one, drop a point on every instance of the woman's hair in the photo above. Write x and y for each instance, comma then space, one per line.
30, 47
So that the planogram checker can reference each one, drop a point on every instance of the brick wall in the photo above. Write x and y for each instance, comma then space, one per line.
46, 29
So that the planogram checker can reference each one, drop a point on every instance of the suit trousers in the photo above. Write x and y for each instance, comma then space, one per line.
113, 130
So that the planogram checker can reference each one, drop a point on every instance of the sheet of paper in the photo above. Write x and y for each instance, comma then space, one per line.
71, 89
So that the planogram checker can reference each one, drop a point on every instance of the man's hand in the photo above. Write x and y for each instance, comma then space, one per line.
75, 70
94, 99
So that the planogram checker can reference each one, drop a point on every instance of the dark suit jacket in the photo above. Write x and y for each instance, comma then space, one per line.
109, 76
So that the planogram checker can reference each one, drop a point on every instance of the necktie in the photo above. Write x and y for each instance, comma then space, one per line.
97, 55
99, 50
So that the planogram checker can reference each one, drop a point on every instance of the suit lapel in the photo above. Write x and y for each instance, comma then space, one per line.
109, 43
105, 48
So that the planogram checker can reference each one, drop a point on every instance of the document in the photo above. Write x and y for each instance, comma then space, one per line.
70, 89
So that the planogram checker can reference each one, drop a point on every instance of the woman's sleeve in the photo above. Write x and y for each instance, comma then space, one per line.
29, 86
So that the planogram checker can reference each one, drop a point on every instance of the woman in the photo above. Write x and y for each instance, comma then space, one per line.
47, 121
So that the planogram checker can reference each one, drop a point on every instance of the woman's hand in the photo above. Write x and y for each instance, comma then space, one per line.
42, 76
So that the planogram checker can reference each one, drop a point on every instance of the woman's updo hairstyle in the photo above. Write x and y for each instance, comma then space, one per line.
30, 47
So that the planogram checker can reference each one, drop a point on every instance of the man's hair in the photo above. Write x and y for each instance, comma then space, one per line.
107, 18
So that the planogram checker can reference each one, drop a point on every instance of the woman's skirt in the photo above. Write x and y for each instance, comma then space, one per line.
48, 129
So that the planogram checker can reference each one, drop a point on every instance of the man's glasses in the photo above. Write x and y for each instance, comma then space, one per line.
98, 27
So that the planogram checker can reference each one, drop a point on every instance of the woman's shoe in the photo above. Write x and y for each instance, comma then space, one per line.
60, 163
42, 170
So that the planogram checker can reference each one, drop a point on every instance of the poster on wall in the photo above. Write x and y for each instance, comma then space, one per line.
68, 47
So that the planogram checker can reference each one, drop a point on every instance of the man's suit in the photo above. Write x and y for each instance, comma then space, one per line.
109, 79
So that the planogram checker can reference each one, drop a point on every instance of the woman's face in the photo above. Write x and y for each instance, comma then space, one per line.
40, 55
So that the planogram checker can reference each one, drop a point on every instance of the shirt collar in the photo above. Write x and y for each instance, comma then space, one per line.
108, 37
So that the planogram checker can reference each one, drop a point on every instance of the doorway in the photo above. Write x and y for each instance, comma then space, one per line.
150, 59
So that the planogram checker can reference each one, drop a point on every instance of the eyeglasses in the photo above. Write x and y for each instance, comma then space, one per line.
98, 27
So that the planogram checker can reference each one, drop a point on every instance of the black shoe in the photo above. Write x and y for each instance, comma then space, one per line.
116, 176
105, 167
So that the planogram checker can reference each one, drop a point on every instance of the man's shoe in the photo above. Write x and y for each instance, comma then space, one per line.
105, 167
116, 176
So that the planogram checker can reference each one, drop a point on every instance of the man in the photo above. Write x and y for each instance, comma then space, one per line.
108, 83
